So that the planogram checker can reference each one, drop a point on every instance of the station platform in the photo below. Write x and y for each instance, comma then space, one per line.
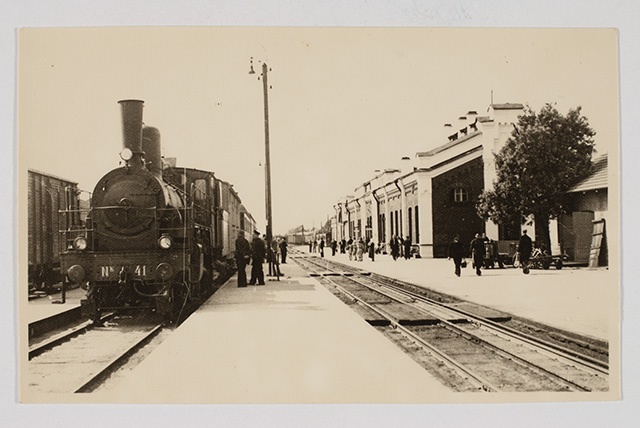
51, 304
287, 342
577, 299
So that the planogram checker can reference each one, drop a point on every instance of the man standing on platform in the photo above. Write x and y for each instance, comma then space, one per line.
258, 251
477, 253
525, 247
243, 252
283, 250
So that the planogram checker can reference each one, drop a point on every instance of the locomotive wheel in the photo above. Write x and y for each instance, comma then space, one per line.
546, 264
525, 270
559, 264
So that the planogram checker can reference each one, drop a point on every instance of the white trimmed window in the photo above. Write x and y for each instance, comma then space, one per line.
460, 194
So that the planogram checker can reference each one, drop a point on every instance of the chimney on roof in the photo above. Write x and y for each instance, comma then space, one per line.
472, 118
448, 130
462, 125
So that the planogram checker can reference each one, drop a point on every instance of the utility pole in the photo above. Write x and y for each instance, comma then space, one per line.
273, 268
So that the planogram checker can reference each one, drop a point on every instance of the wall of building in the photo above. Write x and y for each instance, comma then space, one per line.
450, 217
575, 228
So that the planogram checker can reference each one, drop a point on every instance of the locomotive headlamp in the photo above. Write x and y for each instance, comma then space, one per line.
165, 242
80, 243
76, 274
126, 154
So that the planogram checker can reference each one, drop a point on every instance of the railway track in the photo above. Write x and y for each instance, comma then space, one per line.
466, 346
80, 359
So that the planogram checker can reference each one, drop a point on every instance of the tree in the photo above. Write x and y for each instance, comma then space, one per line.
545, 156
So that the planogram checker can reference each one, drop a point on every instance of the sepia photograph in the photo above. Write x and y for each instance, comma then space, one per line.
318, 215
330, 215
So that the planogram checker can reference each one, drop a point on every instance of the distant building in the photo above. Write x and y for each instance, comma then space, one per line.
299, 235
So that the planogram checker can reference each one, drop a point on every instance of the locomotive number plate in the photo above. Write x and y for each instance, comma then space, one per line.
112, 271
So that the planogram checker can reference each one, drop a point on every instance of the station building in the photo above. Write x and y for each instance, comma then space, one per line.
588, 209
431, 198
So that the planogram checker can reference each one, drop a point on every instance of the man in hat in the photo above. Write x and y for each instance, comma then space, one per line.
477, 253
258, 251
243, 252
456, 252
525, 247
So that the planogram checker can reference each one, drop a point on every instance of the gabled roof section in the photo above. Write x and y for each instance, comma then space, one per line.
507, 106
598, 178
448, 145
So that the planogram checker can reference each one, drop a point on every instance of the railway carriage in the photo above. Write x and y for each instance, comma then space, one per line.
154, 236
46, 196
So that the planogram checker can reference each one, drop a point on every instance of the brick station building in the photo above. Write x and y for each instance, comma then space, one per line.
432, 197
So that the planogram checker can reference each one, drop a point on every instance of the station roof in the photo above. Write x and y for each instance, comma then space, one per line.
598, 178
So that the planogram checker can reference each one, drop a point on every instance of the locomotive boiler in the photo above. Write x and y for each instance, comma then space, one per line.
152, 237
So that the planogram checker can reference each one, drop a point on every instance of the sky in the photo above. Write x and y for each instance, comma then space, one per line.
342, 102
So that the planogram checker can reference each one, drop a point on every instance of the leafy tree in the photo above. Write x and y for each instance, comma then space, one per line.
545, 156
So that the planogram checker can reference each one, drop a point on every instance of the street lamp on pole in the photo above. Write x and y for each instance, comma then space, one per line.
267, 171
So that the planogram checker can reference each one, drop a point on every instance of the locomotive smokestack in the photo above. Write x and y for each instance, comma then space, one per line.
152, 150
132, 132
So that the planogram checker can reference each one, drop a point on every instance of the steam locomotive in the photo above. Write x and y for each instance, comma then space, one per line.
156, 236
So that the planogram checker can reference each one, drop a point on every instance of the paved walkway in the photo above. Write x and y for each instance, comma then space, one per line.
46, 306
290, 341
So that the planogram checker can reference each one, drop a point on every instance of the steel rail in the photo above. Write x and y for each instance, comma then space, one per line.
481, 383
474, 338
117, 362
491, 327
46, 345
569, 354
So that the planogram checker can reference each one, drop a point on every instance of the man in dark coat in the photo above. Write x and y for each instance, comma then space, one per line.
258, 251
321, 246
477, 252
456, 253
407, 248
283, 251
395, 247
371, 248
525, 247
243, 253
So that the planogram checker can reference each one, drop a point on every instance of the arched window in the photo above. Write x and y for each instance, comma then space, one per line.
459, 194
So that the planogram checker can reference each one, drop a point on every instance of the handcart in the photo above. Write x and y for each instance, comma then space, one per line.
542, 260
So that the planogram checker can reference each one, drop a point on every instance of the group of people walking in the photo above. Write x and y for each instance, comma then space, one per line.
400, 247
256, 253
477, 249
357, 248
